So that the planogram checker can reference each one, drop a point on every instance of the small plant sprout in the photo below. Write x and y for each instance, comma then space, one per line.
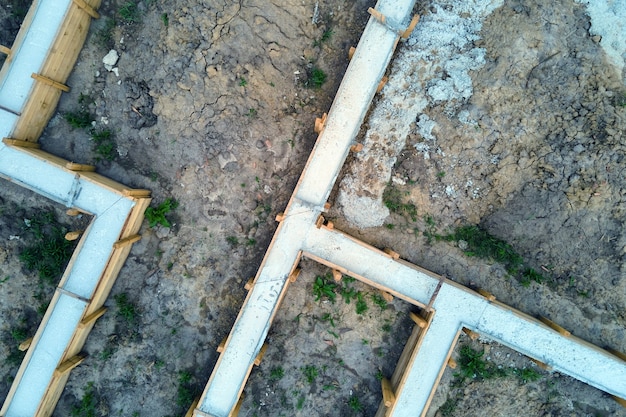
243, 82
323, 287
355, 403
277, 373
310, 373
361, 304
165, 20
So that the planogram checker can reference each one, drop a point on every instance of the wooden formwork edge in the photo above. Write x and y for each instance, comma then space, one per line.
555, 326
5, 50
20, 143
70, 364
48, 81
126, 241
192, 408
92, 317
86, 8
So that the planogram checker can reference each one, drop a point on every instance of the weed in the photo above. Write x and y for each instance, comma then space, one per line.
50, 252
317, 78
526, 375
19, 334
473, 366
355, 403
104, 36
327, 317
5, 279
310, 373
483, 245
88, 404
159, 364
393, 200
129, 12
104, 145
333, 334
252, 113
322, 287
251, 242
529, 275
386, 327
185, 392
243, 82
390, 226
326, 36
441, 174
84, 99
165, 20
348, 279
448, 408
126, 309
106, 353
361, 304
80, 119
300, 402
156, 215
348, 293
232, 240
379, 375
379, 301
277, 373
365, 342
19, 9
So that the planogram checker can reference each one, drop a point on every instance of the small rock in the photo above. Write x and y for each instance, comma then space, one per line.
596, 38
462, 244
225, 158
162, 232
110, 59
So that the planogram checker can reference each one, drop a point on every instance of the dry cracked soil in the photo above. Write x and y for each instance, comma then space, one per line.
212, 103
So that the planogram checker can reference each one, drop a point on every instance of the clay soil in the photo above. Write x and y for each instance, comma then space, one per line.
213, 105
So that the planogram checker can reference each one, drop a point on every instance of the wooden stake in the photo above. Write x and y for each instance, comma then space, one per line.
126, 241
319, 222
330, 225
542, 365
280, 217
249, 284
5, 50
409, 29
86, 8
235, 410
69, 364
73, 212
351, 53
377, 15
92, 317
617, 353
451, 363
357, 147
25, 344
220, 347
393, 255
259, 357
294, 275
419, 320
619, 400
489, 296
555, 326
20, 143
472, 334
337, 275
47, 81
192, 408
386, 296
80, 167
71, 236
137, 193
320, 123
327, 206
382, 83
389, 397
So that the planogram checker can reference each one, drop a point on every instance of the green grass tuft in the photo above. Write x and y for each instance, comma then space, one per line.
156, 215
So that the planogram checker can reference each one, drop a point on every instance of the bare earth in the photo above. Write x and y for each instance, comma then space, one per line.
213, 106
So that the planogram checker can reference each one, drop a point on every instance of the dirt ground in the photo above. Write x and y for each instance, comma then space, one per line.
212, 103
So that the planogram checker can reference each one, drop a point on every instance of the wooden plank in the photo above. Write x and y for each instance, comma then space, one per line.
382, 83
259, 356
249, 284
72, 166
70, 364
386, 296
5, 50
92, 317
351, 52
319, 222
542, 365
50, 82
25, 344
555, 326
20, 143
86, 8
619, 400
389, 397
126, 241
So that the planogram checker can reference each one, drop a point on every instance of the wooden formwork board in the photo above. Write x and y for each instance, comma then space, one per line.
19, 39
58, 65
241, 310
53, 393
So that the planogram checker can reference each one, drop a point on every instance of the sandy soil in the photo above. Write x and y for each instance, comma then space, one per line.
211, 107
